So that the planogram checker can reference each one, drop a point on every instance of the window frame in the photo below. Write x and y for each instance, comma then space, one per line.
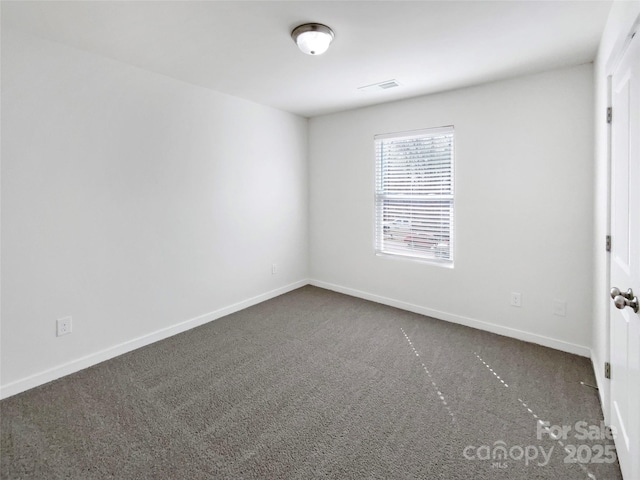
409, 253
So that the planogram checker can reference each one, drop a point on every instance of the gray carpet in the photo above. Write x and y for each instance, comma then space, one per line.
312, 384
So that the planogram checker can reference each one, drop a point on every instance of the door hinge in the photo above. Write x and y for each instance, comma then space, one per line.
608, 243
607, 370
609, 114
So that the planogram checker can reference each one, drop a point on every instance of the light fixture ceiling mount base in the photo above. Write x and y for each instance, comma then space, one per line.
312, 38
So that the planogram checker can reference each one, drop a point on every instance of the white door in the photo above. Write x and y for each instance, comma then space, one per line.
625, 259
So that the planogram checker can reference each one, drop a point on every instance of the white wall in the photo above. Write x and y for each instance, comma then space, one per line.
524, 209
621, 19
134, 202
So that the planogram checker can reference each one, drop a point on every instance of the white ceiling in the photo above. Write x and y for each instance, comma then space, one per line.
244, 48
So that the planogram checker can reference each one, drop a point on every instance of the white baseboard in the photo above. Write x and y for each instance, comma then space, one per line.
469, 322
68, 368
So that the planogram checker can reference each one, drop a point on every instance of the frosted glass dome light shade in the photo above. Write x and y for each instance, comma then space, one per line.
312, 38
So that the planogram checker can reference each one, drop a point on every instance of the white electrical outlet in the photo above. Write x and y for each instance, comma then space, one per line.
274, 269
516, 299
63, 326
560, 308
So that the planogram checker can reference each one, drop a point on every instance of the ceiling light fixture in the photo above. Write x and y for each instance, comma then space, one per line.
312, 38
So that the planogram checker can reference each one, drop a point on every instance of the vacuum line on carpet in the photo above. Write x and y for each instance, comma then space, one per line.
545, 425
491, 370
433, 383
557, 439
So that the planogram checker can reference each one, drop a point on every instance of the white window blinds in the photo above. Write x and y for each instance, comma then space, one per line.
414, 194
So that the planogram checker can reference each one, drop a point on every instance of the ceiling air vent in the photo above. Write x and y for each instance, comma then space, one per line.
389, 84
386, 85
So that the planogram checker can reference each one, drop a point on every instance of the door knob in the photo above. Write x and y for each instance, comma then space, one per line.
615, 292
620, 302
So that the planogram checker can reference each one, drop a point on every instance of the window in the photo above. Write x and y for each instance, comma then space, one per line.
414, 194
